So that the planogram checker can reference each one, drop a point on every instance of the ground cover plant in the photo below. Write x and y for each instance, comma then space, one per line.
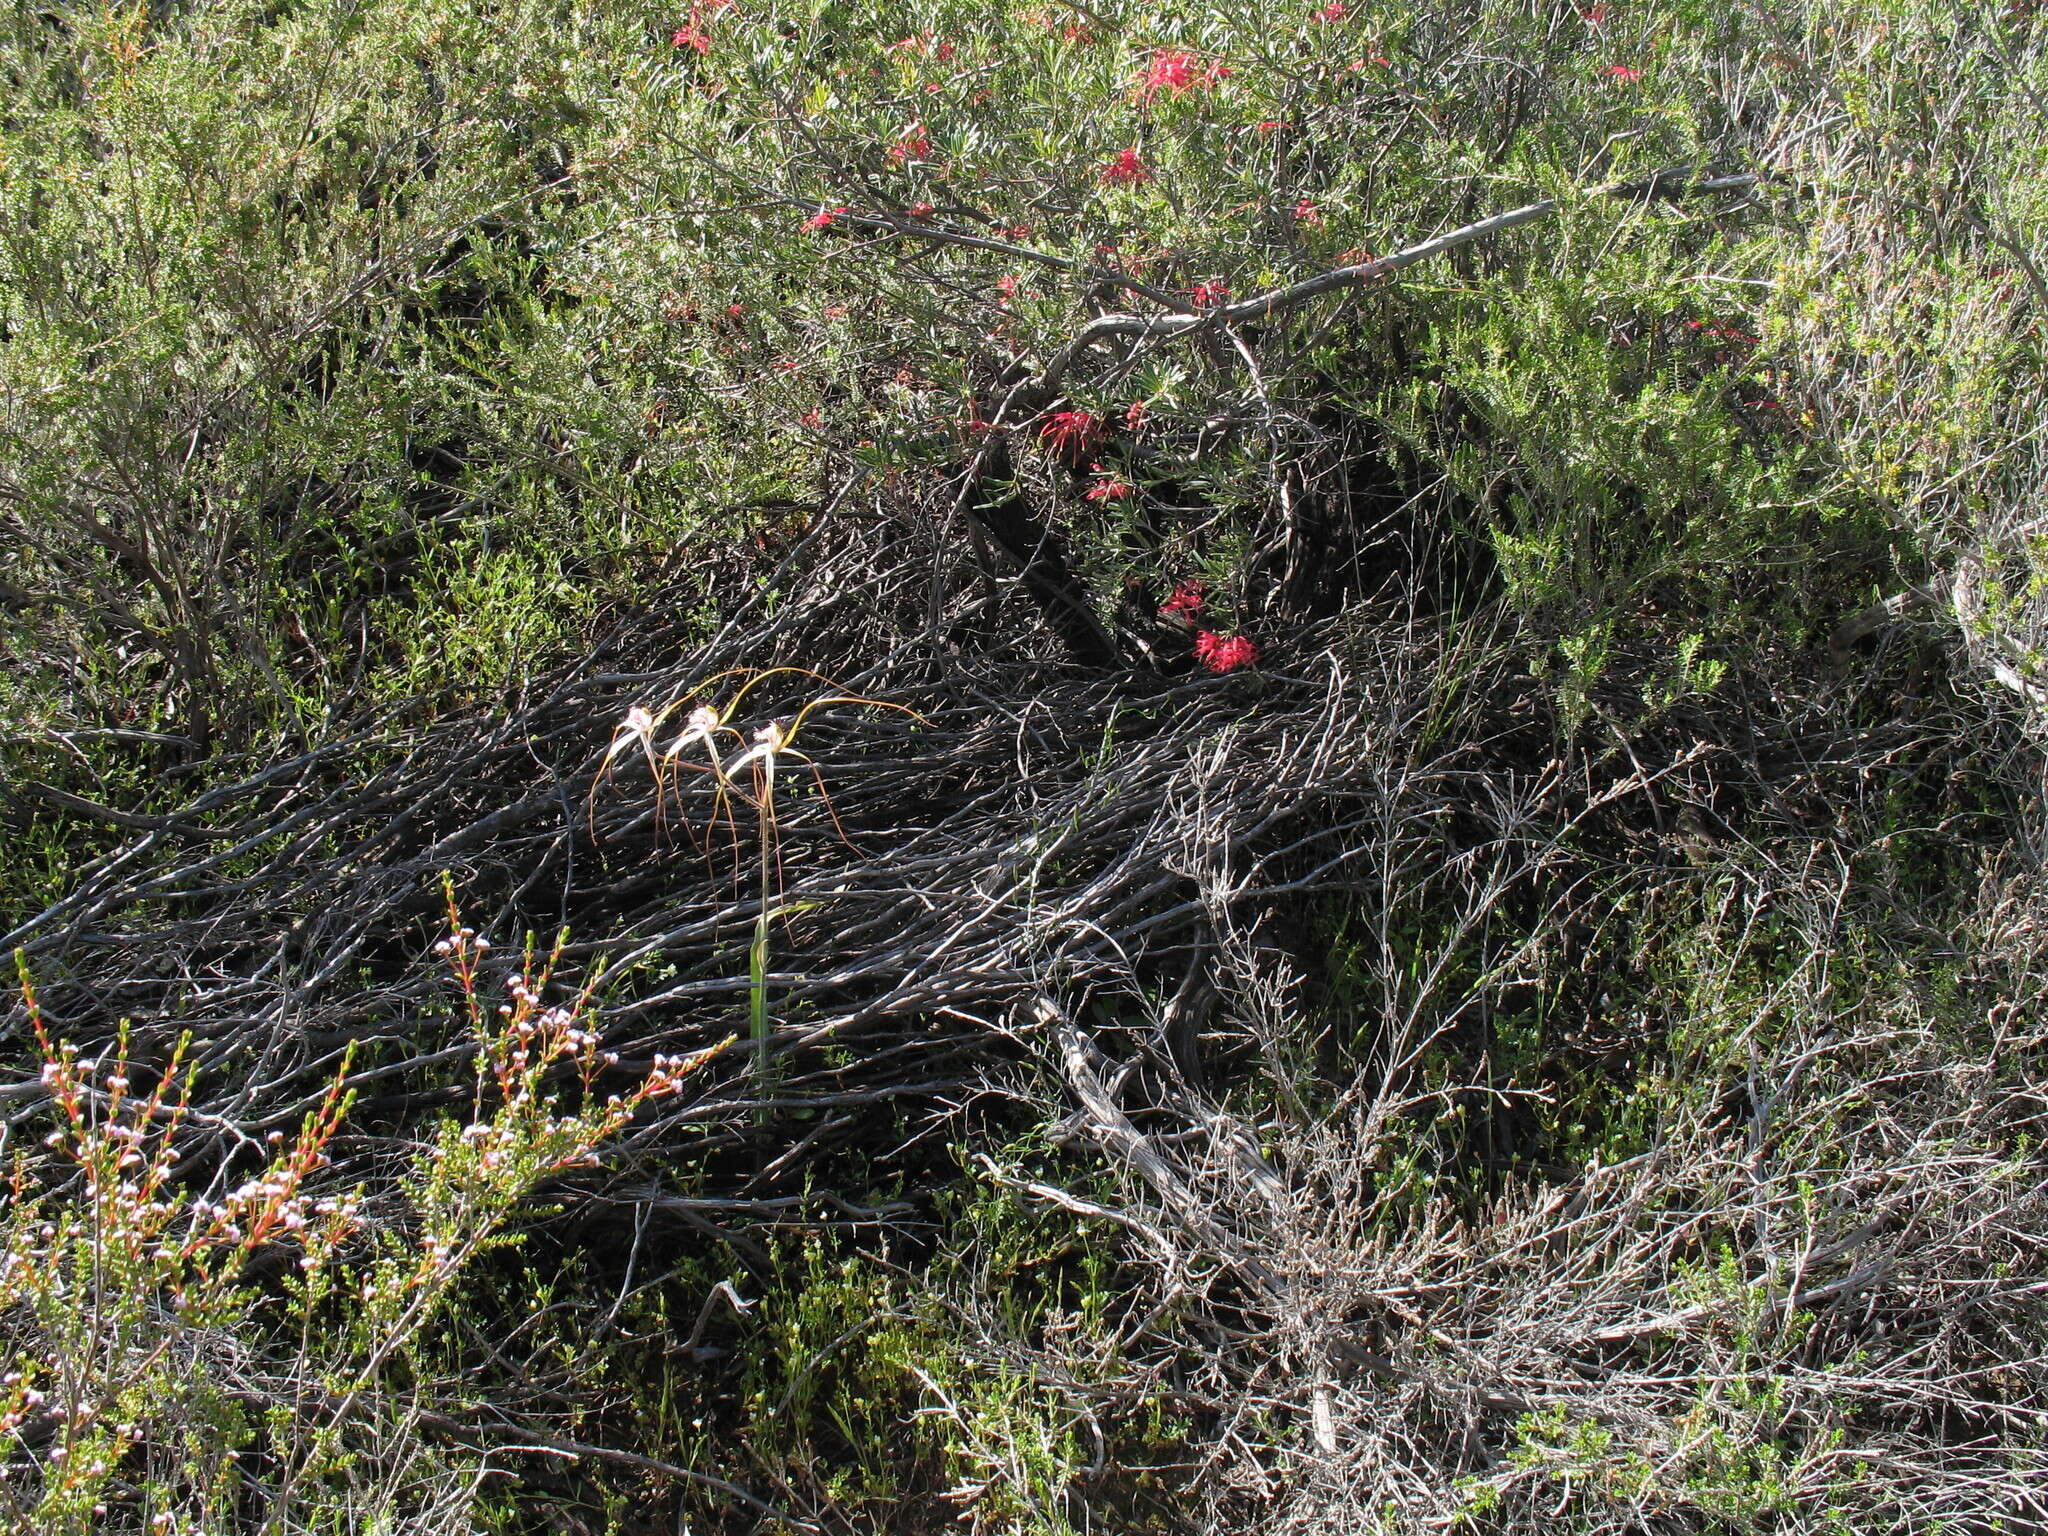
797, 765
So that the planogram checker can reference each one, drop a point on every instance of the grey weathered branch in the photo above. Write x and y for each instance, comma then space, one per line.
1666, 183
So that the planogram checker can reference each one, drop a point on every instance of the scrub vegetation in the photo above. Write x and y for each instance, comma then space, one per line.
1019, 767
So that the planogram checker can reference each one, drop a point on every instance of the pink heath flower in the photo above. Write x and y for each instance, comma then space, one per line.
1220, 655
1126, 169
1622, 74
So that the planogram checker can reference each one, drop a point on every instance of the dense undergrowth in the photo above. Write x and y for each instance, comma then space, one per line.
1289, 757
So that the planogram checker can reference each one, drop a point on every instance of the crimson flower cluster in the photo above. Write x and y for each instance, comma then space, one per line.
1177, 73
1108, 486
1127, 169
914, 142
691, 34
1219, 654
1071, 434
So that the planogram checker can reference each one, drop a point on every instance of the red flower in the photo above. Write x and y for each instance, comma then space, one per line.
1210, 294
1221, 655
1269, 125
823, 219
1306, 212
1070, 434
1336, 10
1186, 602
1108, 487
1135, 413
1622, 74
1127, 168
1594, 15
919, 211
690, 36
913, 143
1170, 70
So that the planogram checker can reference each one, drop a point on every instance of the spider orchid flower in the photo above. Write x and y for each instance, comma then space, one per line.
702, 725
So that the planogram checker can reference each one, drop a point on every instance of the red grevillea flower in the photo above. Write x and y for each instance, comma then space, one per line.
1210, 294
1306, 212
1336, 10
1177, 73
1135, 414
1186, 602
1070, 434
823, 219
690, 35
912, 143
1221, 655
919, 211
1622, 74
1171, 71
1127, 168
1107, 487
